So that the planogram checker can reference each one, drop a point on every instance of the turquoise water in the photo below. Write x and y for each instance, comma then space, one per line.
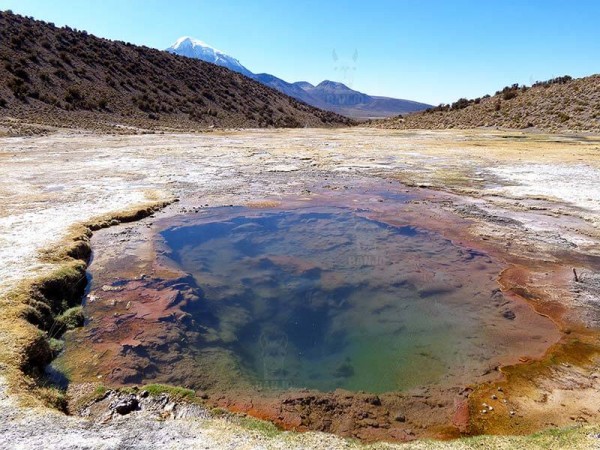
324, 298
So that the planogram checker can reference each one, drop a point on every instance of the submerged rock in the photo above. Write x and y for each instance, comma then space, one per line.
508, 314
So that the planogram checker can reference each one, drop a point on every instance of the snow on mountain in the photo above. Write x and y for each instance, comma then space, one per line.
195, 48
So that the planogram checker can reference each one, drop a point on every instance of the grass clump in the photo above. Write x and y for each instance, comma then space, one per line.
266, 429
176, 393
70, 319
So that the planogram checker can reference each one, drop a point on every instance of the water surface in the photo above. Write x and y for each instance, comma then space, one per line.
325, 298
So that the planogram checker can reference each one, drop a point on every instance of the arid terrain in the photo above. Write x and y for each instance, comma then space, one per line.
529, 199
559, 104
60, 76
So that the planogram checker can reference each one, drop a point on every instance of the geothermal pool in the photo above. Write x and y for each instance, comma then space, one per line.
315, 297
326, 299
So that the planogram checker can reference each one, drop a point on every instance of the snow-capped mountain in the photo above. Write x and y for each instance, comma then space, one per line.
195, 48
327, 95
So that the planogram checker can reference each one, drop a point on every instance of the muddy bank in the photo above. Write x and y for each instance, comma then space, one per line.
37, 313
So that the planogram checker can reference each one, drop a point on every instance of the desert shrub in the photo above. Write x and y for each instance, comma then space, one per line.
74, 96
558, 80
65, 58
508, 95
563, 117
17, 41
59, 73
461, 103
22, 74
18, 88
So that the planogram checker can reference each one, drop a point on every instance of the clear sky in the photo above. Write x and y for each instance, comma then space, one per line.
428, 50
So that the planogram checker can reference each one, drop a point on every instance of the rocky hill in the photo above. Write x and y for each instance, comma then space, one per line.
64, 77
559, 104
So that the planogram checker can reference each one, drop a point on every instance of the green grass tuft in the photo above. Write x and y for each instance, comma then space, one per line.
263, 427
176, 393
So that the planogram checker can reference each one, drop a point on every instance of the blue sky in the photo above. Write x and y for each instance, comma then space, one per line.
433, 51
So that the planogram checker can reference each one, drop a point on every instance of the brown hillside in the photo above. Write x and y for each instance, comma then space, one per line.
64, 77
560, 104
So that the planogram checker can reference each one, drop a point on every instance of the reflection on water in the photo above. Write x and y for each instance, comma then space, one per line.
325, 299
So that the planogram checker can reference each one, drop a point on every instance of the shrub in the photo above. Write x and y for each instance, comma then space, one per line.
22, 74
461, 103
61, 74
508, 95
74, 96
18, 88
563, 117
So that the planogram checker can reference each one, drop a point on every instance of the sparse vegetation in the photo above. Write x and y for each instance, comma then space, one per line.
61, 76
263, 427
562, 103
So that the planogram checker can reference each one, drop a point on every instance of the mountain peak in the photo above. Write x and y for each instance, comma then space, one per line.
195, 48
188, 41
303, 84
332, 84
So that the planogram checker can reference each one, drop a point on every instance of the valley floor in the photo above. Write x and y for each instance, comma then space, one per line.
535, 197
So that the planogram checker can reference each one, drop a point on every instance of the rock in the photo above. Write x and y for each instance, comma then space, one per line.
373, 400
508, 314
400, 417
126, 405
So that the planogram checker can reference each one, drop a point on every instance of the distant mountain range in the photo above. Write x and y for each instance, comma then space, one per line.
327, 95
